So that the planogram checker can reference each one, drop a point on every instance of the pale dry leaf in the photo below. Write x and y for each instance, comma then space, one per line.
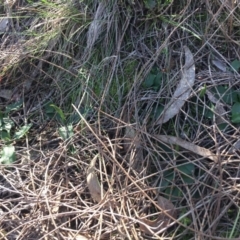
132, 146
189, 146
57, 203
129, 137
211, 97
182, 91
7, 94
96, 191
96, 26
163, 219
219, 108
219, 64
219, 112
80, 237
235, 147
4, 25
73, 236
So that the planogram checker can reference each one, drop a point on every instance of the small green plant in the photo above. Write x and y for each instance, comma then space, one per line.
9, 133
184, 172
224, 94
153, 80
66, 129
235, 64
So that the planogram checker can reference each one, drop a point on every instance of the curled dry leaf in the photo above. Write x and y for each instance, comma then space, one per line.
96, 191
183, 90
189, 146
164, 218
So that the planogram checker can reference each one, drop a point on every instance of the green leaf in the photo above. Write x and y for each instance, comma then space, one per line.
209, 113
149, 81
66, 132
59, 111
8, 155
186, 169
173, 192
235, 64
157, 81
22, 131
224, 93
235, 118
236, 112
168, 177
150, 4
203, 91
7, 124
236, 96
1, 123
156, 112
188, 180
14, 107
223, 126
5, 136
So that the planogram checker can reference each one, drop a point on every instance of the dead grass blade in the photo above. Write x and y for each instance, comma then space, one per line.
183, 90
189, 146
94, 186
162, 220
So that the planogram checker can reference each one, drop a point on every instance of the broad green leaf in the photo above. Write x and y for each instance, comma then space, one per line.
1, 123
224, 93
236, 96
235, 64
14, 107
5, 136
8, 155
186, 169
49, 109
187, 180
157, 111
7, 124
149, 80
66, 132
157, 81
236, 118
236, 112
173, 192
206, 112
168, 177
223, 126
22, 131
150, 4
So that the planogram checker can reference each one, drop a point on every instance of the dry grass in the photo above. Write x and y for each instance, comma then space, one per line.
96, 56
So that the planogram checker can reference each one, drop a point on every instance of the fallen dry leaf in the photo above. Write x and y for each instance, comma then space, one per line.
132, 146
220, 65
189, 146
96, 191
7, 94
163, 219
183, 90
219, 108
4, 25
